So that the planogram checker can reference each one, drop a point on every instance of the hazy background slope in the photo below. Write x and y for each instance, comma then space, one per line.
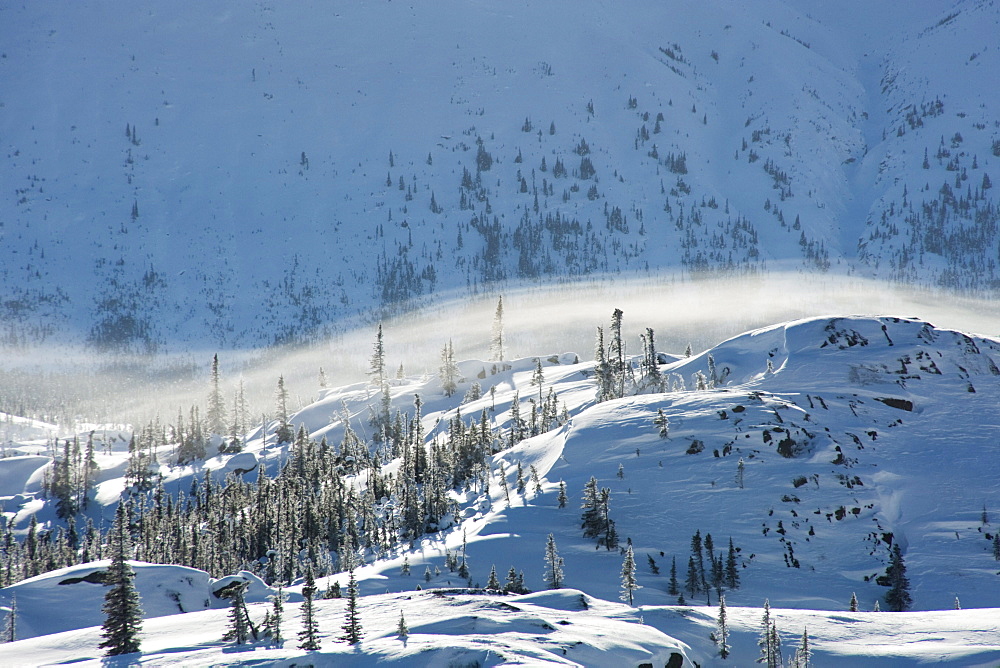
198, 174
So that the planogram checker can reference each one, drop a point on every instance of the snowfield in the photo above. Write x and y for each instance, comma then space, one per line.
846, 427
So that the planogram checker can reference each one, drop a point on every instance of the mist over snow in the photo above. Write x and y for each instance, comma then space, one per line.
251, 259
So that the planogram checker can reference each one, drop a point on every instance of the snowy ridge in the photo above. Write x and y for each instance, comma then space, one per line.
848, 439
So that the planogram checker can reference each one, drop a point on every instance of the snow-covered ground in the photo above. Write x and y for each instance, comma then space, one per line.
855, 433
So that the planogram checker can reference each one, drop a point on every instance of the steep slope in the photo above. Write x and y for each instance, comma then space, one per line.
251, 175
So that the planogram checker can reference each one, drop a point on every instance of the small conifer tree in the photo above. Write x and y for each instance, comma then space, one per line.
308, 636
402, 631
273, 629
493, 582
122, 608
10, 624
722, 630
629, 583
352, 622
553, 565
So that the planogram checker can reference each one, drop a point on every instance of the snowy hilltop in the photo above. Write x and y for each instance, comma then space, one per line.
832, 466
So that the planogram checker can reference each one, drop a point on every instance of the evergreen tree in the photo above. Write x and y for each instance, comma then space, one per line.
722, 630
122, 608
662, 422
538, 377
898, 597
629, 583
308, 636
616, 354
352, 623
402, 631
699, 560
770, 654
854, 602
449, 370
497, 336
602, 370
653, 568
652, 379
239, 626
692, 584
553, 565
216, 414
273, 629
493, 582
10, 623
673, 588
562, 498
284, 433
732, 575
377, 368
803, 653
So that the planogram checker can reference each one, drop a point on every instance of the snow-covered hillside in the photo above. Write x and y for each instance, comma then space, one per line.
856, 435
233, 176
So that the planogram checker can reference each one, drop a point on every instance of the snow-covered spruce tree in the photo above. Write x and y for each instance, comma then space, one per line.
898, 597
216, 413
497, 335
629, 583
239, 620
596, 518
699, 560
662, 422
603, 375
273, 628
553, 565
770, 651
803, 653
402, 630
122, 607
692, 583
449, 370
538, 378
308, 636
722, 630
10, 623
284, 433
616, 354
732, 573
673, 588
493, 582
352, 622
377, 368
652, 379
854, 602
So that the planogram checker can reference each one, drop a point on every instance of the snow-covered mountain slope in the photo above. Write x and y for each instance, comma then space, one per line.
246, 175
856, 434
